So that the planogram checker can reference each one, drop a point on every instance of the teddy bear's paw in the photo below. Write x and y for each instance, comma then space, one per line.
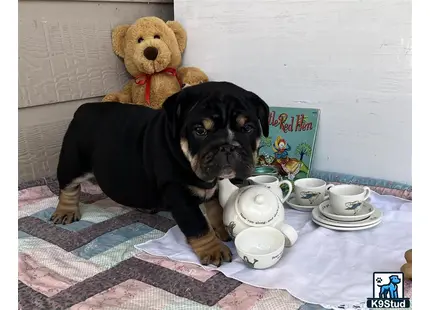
193, 76
111, 98
192, 83
407, 270
123, 98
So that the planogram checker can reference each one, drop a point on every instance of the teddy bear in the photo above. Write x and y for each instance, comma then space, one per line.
152, 51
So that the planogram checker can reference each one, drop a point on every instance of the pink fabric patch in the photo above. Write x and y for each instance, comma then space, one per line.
393, 192
111, 206
113, 297
187, 269
88, 187
242, 298
33, 194
41, 278
107, 202
408, 289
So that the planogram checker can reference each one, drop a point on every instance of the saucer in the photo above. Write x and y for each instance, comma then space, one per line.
374, 218
346, 228
291, 201
326, 209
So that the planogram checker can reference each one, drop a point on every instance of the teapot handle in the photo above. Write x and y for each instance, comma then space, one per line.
290, 189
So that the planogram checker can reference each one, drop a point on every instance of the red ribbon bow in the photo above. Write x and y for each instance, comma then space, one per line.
146, 79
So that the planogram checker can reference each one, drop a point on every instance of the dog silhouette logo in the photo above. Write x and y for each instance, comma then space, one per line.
388, 291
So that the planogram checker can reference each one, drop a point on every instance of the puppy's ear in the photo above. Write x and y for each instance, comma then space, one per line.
262, 112
172, 108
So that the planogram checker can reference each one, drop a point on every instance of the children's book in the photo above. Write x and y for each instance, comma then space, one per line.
291, 141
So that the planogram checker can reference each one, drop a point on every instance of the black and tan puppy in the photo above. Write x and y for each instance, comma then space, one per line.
170, 158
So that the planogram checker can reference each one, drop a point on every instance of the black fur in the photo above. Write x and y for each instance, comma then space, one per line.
135, 155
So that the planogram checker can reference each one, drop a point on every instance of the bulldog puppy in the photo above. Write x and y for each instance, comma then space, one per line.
167, 159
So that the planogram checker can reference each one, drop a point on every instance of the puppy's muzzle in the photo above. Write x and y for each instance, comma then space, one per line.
222, 156
227, 149
150, 53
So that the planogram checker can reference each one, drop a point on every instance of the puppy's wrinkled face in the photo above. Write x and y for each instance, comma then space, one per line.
220, 125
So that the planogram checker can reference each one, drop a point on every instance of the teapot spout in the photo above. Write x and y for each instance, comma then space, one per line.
226, 189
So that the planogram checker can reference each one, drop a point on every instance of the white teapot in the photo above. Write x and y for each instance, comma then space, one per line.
252, 206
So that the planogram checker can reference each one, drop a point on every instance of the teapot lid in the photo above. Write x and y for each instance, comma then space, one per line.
257, 205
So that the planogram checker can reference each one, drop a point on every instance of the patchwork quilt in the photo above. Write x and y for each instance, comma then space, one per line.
92, 264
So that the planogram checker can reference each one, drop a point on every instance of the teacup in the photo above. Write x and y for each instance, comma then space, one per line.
273, 184
311, 191
260, 247
347, 199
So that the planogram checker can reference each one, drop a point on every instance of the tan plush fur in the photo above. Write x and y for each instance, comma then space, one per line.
131, 42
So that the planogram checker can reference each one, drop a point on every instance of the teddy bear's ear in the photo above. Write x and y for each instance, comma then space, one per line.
118, 39
181, 35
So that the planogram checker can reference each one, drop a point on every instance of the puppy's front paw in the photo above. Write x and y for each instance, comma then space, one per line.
210, 250
65, 217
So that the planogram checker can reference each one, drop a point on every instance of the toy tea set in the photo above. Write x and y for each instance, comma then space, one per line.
254, 213
343, 208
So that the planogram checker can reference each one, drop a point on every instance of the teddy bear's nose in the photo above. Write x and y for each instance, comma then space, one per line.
150, 53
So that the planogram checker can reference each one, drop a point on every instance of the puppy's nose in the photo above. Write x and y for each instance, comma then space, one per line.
227, 148
150, 53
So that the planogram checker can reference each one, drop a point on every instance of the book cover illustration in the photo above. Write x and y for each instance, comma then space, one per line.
291, 141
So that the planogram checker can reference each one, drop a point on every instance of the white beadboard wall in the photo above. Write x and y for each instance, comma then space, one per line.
66, 59
350, 58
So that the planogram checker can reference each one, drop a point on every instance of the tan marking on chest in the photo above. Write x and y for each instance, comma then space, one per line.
205, 194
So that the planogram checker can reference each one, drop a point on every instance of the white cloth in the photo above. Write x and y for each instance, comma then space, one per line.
325, 267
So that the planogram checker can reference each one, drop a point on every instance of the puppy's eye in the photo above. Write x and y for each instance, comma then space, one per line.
140, 40
156, 36
200, 131
247, 128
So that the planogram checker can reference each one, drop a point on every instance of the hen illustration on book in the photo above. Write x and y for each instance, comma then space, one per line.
291, 141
